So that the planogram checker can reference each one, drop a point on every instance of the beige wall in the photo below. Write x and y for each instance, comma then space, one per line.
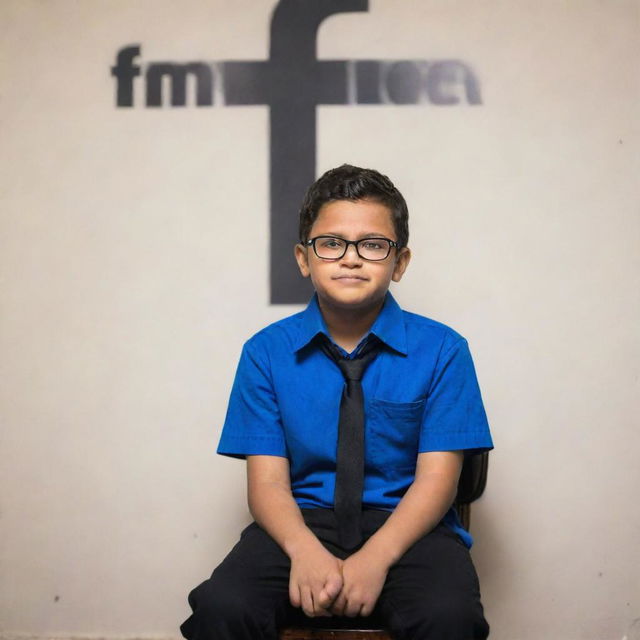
124, 304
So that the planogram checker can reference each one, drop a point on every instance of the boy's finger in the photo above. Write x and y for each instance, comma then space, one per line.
307, 601
352, 609
330, 591
325, 599
339, 605
294, 594
320, 603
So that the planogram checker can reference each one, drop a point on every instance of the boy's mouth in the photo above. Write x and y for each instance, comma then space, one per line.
351, 278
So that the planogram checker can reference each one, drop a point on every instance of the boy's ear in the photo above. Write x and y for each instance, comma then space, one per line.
402, 262
300, 253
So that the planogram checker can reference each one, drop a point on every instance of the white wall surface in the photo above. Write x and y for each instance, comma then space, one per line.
124, 304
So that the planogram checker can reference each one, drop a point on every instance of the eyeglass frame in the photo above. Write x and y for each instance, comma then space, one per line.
312, 243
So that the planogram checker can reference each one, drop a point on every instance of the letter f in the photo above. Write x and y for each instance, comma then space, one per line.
124, 71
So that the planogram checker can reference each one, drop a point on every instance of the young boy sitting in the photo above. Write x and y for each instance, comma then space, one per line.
354, 417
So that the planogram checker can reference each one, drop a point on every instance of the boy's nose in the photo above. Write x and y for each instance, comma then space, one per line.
351, 255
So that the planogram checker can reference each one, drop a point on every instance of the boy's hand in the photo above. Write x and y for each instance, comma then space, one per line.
315, 580
364, 574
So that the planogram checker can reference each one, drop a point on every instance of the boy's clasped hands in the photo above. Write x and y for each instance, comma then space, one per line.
324, 585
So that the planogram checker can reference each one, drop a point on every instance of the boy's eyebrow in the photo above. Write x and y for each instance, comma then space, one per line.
333, 234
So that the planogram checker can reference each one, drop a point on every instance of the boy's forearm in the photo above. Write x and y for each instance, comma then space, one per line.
275, 510
273, 507
420, 510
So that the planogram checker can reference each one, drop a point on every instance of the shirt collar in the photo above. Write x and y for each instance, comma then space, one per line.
388, 326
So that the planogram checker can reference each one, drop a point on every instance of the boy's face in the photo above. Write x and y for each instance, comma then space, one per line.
351, 282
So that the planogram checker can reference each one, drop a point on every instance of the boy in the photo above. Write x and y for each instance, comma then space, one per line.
354, 417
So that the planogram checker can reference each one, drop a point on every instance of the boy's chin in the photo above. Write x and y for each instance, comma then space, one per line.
351, 300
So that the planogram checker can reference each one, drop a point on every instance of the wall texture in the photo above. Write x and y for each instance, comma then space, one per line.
134, 261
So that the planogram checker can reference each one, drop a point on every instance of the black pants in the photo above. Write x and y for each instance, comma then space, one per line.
432, 593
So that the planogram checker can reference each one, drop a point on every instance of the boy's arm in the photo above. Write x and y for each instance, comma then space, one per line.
420, 510
316, 577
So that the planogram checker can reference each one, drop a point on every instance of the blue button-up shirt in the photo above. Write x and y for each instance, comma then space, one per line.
421, 394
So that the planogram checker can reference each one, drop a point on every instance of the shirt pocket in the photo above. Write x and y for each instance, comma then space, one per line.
394, 434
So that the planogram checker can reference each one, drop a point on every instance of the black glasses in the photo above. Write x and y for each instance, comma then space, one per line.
332, 248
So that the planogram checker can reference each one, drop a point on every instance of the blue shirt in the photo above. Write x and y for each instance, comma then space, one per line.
421, 394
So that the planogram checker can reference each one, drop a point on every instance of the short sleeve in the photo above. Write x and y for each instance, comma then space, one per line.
252, 425
454, 417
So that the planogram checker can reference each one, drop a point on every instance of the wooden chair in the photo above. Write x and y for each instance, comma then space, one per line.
334, 634
473, 480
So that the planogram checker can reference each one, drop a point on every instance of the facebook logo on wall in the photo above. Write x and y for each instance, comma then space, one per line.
291, 83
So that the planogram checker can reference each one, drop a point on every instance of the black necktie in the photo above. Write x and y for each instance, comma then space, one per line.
347, 499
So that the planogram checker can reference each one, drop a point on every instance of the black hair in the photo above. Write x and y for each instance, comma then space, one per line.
354, 183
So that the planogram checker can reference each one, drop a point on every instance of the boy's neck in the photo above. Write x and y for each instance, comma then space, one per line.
348, 326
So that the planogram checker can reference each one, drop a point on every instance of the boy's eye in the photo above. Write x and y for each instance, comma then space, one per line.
332, 243
372, 245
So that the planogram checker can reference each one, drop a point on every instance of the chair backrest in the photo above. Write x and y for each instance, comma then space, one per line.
473, 480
